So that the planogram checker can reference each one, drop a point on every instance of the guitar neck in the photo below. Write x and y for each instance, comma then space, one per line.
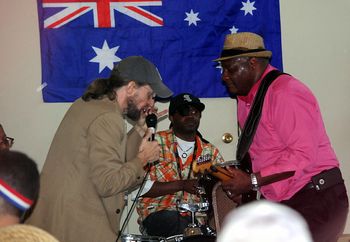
216, 171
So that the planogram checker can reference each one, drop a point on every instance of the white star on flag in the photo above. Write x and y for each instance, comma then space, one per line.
192, 18
105, 56
248, 7
233, 30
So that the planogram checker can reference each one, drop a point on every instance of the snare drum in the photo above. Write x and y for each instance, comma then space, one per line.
193, 238
174, 238
139, 238
199, 238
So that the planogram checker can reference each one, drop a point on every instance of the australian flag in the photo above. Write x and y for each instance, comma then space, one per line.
82, 40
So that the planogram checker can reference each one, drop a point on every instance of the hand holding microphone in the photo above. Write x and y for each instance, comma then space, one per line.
151, 122
149, 149
141, 126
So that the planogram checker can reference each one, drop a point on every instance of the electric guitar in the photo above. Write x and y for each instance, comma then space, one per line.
222, 174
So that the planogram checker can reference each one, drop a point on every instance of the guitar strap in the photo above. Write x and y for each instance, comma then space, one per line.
251, 124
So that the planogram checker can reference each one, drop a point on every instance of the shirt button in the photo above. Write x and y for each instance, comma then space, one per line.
117, 211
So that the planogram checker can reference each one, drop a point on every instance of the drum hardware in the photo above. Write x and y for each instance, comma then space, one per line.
193, 232
194, 238
200, 190
140, 238
206, 230
174, 238
193, 208
192, 229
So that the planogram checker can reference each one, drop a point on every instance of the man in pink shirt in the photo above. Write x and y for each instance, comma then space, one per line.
292, 160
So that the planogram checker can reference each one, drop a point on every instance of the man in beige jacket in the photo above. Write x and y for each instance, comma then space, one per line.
92, 161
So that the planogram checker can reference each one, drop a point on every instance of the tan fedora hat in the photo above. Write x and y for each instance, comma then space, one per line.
25, 233
244, 44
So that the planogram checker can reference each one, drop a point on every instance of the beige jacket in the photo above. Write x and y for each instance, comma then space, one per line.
86, 175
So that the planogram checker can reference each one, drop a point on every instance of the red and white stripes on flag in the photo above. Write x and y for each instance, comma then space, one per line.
102, 11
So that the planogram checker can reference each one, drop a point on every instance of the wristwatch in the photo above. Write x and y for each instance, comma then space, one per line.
254, 180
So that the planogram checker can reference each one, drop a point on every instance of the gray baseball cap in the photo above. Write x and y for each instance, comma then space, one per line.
141, 70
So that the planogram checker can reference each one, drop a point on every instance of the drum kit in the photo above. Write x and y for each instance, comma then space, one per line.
193, 232
175, 238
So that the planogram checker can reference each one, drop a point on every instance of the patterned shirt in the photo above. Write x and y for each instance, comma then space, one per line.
170, 168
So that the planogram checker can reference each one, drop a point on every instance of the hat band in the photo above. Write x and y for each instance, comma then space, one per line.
232, 52
14, 197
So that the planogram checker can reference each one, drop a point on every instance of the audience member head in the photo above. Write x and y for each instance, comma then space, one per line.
5, 141
185, 112
25, 233
264, 221
19, 186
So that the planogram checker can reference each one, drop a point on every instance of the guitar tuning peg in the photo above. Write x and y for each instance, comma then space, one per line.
213, 168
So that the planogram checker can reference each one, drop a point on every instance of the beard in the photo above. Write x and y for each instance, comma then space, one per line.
133, 112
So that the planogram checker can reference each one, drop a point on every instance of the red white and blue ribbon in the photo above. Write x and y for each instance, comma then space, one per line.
14, 197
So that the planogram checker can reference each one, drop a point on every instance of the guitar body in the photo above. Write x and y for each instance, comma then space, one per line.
210, 172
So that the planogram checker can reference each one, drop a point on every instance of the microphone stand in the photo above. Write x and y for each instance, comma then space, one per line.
126, 221
151, 122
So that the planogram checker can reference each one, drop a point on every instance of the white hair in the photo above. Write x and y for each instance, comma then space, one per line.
264, 221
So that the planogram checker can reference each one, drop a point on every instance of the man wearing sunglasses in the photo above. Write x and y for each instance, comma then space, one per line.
172, 180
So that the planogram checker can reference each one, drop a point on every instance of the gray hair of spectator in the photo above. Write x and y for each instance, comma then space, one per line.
264, 221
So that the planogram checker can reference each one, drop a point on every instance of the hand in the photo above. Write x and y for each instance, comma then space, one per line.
238, 184
149, 150
190, 186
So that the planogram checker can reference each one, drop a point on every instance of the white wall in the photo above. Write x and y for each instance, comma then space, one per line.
315, 40
316, 48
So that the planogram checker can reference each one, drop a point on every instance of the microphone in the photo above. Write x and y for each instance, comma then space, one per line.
151, 122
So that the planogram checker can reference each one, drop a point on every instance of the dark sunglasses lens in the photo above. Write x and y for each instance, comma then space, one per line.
184, 111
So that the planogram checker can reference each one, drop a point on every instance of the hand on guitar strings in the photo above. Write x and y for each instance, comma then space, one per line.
239, 183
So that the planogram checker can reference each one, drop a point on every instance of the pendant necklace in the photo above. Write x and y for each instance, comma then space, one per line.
184, 154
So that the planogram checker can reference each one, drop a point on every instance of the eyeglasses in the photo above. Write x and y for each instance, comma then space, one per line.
8, 141
188, 110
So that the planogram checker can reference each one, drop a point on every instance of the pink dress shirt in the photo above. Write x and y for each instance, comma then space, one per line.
290, 136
